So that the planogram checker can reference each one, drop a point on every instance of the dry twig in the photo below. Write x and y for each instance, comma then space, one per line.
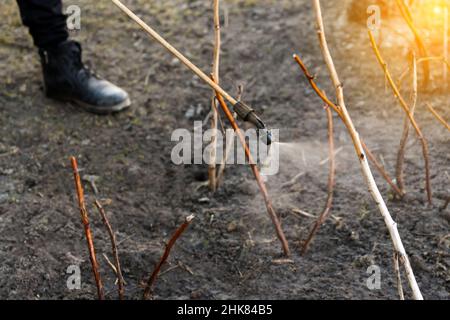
215, 114
438, 116
406, 127
407, 16
336, 152
115, 252
113, 268
293, 180
399, 277
170, 244
87, 228
331, 177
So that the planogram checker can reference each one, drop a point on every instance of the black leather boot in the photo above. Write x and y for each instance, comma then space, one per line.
67, 79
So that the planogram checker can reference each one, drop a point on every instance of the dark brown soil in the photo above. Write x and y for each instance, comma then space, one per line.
228, 251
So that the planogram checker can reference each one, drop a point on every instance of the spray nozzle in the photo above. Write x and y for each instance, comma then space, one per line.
266, 136
249, 115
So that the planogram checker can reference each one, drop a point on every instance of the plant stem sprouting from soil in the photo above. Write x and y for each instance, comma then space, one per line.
112, 236
215, 114
87, 228
406, 127
438, 116
373, 188
262, 186
170, 244
406, 14
331, 178
409, 114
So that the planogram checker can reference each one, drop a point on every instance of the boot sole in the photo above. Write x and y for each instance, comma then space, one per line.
103, 110
96, 109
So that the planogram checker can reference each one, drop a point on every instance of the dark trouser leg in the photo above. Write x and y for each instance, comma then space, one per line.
45, 20
65, 76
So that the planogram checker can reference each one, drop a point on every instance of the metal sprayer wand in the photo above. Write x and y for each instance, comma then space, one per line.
244, 112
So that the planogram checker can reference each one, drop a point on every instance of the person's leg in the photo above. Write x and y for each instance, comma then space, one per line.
45, 20
65, 76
